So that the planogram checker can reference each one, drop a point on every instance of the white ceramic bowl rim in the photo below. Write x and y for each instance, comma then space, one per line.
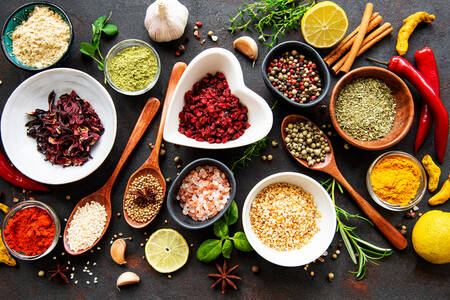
211, 61
21, 149
319, 242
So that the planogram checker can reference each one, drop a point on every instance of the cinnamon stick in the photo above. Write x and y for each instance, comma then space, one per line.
359, 38
347, 43
368, 42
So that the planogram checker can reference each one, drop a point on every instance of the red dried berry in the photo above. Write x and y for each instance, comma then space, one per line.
199, 24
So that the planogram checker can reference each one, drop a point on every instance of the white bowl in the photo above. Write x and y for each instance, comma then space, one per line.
211, 61
32, 94
319, 242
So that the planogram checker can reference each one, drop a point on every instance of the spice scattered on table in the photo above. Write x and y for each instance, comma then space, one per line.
295, 76
305, 141
293, 218
225, 276
204, 192
247, 46
30, 231
60, 271
86, 226
133, 69
365, 109
67, 131
117, 251
409, 24
395, 179
5, 257
142, 209
211, 113
443, 195
42, 39
433, 171
127, 278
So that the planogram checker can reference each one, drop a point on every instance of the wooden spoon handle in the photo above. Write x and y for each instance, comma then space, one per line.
148, 113
177, 71
386, 228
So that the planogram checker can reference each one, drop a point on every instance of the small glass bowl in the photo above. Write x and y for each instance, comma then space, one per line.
27, 204
420, 191
122, 46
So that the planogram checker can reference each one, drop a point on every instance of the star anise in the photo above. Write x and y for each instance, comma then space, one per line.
225, 276
61, 270
145, 196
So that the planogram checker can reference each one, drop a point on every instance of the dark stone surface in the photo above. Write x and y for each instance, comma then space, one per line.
403, 275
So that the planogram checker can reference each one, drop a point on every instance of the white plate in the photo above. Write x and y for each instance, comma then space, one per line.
319, 242
32, 94
211, 61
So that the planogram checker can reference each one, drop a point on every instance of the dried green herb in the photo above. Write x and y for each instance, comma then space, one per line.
365, 109
270, 18
367, 252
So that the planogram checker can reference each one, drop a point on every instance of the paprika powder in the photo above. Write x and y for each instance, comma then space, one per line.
30, 231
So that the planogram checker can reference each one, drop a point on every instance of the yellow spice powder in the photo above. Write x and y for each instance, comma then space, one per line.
396, 179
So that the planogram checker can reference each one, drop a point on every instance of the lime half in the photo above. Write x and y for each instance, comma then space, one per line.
166, 250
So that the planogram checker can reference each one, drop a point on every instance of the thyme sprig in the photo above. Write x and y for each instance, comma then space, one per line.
367, 252
270, 18
249, 152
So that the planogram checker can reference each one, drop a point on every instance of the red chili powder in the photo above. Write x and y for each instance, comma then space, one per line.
30, 231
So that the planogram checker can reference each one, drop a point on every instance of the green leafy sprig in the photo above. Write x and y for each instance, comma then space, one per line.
248, 153
270, 18
211, 249
90, 49
367, 252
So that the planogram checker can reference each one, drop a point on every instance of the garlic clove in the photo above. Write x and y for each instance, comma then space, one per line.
247, 46
118, 251
127, 278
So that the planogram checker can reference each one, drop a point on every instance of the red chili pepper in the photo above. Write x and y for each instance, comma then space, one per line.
402, 67
13, 176
426, 65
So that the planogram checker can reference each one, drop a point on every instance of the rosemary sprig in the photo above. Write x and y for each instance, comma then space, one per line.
270, 18
249, 152
366, 251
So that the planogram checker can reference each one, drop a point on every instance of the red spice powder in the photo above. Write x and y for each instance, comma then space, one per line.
211, 113
30, 231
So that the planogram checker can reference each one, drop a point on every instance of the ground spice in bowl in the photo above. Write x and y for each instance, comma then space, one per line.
30, 231
365, 109
396, 179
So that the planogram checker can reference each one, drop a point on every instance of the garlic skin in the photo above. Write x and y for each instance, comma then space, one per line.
118, 251
247, 46
166, 20
126, 279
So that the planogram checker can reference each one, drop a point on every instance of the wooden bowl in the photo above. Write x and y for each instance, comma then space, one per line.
404, 110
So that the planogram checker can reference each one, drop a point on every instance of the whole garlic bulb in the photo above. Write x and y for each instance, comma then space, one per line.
166, 20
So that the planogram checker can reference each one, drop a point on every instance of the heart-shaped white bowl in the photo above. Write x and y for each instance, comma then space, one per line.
32, 94
211, 61
326, 223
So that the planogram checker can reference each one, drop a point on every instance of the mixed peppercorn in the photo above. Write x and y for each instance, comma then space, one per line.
295, 77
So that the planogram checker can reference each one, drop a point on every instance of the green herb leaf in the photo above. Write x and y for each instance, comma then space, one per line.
100, 22
240, 242
232, 214
110, 29
221, 229
227, 247
87, 49
209, 250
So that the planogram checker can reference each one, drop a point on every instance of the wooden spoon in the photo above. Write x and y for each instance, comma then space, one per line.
151, 165
103, 195
329, 166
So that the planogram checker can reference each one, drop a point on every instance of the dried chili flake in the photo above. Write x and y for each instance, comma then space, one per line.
211, 113
67, 131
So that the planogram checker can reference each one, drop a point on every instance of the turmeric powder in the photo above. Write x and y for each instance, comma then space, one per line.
433, 172
395, 179
409, 24
443, 195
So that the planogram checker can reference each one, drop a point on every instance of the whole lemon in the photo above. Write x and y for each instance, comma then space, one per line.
431, 237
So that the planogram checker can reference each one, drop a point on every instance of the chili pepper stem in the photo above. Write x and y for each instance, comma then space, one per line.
378, 61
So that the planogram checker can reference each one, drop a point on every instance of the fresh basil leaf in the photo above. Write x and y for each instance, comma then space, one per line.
87, 49
232, 214
100, 22
221, 229
110, 29
240, 242
227, 247
209, 250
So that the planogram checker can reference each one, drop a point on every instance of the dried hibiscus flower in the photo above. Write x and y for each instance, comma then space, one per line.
67, 131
